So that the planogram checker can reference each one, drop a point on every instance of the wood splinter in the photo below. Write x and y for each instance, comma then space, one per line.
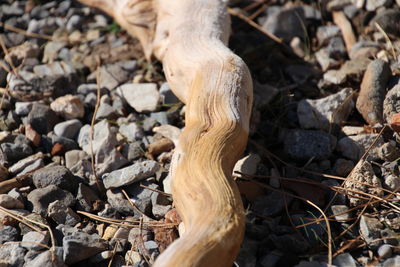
189, 37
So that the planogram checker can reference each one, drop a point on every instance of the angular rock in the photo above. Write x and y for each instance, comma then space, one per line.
68, 129
362, 174
12, 255
373, 90
86, 198
353, 147
74, 156
118, 201
391, 104
68, 106
344, 260
305, 144
32, 239
62, 214
42, 118
343, 167
131, 131
41, 198
9, 202
79, 246
370, 229
248, 164
112, 75
132, 151
55, 175
271, 204
28, 164
385, 251
8, 234
23, 108
326, 112
167, 96
325, 33
143, 97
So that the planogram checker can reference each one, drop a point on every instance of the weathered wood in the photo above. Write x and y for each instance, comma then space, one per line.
190, 37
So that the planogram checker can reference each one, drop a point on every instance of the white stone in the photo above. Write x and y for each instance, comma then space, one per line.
143, 97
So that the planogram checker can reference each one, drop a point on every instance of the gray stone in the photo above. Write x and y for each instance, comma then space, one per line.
392, 262
68, 106
151, 246
353, 147
32, 239
389, 20
131, 131
112, 75
161, 204
28, 164
51, 50
344, 260
67, 144
312, 264
326, 112
324, 60
141, 197
370, 230
362, 174
143, 97
271, 259
343, 167
168, 97
364, 49
42, 118
336, 5
247, 256
86, 198
23, 108
74, 22
131, 174
132, 151
12, 254
263, 94
12, 152
385, 251
305, 144
373, 91
79, 246
391, 104
68, 129
341, 213
336, 48
373, 5
118, 201
55, 175
41, 198
9, 202
161, 117
8, 234
45, 259
271, 204
74, 156
248, 164
290, 242
105, 111
62, 214
325, 33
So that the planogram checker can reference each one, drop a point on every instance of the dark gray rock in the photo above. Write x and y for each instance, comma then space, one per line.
271, 204
41, 198
325, 33
68, 129
86, 197
8, 233
55, 175
247, 256
128, 175
12, 254
289, 243
118, 202
343, 167
79, 246
62, 214
167, 96
161, 117
42, 118
305, 144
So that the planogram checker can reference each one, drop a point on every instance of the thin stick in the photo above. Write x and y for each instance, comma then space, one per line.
156, 190
26, 33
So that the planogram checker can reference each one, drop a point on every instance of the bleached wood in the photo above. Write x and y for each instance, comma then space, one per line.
190, 37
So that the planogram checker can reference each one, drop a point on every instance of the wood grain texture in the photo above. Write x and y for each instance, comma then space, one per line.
190, 37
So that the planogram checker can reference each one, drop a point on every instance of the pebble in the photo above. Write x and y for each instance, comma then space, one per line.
23, 108
132, 151
389, 151
12, 254
46, 259
305, 144
68, 106
86, 198
373, 90
68, 129
385, 251
143, 97
62, 214
41, 198
32, 135
72, 157
119, 202
248, 164
370, 230
373, 5
344, 260
79, 246
353, 147
390, 104
112, 75
325, 61
28, 164
128, 175
161, 204
12, 153
389, 21
55, 175
343, 214
8, 234
363, 173
42, 118
131, 131
133, 257
9, 202
32, 239
325, 33
141, 197
326, 112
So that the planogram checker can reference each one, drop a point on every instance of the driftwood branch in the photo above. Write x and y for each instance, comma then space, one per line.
190, 37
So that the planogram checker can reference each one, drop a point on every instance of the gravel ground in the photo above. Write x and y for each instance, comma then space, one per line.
88, 128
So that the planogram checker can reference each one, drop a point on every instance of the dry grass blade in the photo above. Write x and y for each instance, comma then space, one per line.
26, 33
113, 253
387, 40
156, 190
133, 205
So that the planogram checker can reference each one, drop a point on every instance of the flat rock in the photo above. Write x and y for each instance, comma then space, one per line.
373, 90
55, 175
79, 246
68, 106
143, 97
112, 75
362, 174
41, 198
131, 174
326, 112
305, 144
68, 129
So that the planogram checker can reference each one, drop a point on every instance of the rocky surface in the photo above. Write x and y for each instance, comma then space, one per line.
326, 108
